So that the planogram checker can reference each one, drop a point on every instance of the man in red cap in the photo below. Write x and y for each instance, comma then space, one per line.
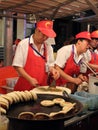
94, 36
69, 59
91, 54
33, 58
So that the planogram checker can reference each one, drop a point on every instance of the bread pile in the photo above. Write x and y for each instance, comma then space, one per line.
7, 100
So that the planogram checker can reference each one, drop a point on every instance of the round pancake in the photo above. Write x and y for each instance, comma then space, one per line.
41, 116
34, 95
4, 100
58, 100
68, 107
2, 110
47, 103
8, 98
59, 114
28, 94
21, 96
26, 115
16, 96
13, 96
62, 104
4, 105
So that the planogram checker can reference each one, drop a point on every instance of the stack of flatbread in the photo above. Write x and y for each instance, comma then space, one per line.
14, 97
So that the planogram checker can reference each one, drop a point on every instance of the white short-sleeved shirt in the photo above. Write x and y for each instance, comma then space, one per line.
88, 55
63, 55
22, 52
96, 51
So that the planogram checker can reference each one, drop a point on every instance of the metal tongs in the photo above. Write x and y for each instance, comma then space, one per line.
65, 94
95, 74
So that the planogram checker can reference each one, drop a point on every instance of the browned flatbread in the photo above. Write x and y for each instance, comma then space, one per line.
34, 95
59, 114
58, 100
8, 98
4, 100
62, 104
2, 110
67, 108
17, 96
4, 105
26, 115
13, 96
47, 103
41, 116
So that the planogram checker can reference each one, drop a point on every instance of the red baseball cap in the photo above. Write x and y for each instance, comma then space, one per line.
85, 35
46, 27
94, 34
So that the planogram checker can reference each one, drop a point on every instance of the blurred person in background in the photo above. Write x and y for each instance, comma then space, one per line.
34, 58
91, 54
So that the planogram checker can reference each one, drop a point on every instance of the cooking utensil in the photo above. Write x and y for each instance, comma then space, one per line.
51, 81
95, 74
65, 94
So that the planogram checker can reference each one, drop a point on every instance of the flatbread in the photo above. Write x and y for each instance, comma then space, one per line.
41, 116
58, 100
34, 95
8, 98
4, 105
26, 115
59, 114
62, 104
28, 94
13, 96
67, 108
47, 103
4, 100
2, 110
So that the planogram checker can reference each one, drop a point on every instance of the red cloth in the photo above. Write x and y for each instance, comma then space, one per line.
70, 68
35, 67
94, 60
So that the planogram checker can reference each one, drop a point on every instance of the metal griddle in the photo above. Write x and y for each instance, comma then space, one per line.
35, 107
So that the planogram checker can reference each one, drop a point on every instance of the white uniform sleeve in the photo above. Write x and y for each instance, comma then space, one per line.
21, 54
62, 55
87, 56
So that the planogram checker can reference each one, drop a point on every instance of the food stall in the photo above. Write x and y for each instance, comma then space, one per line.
20, 102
